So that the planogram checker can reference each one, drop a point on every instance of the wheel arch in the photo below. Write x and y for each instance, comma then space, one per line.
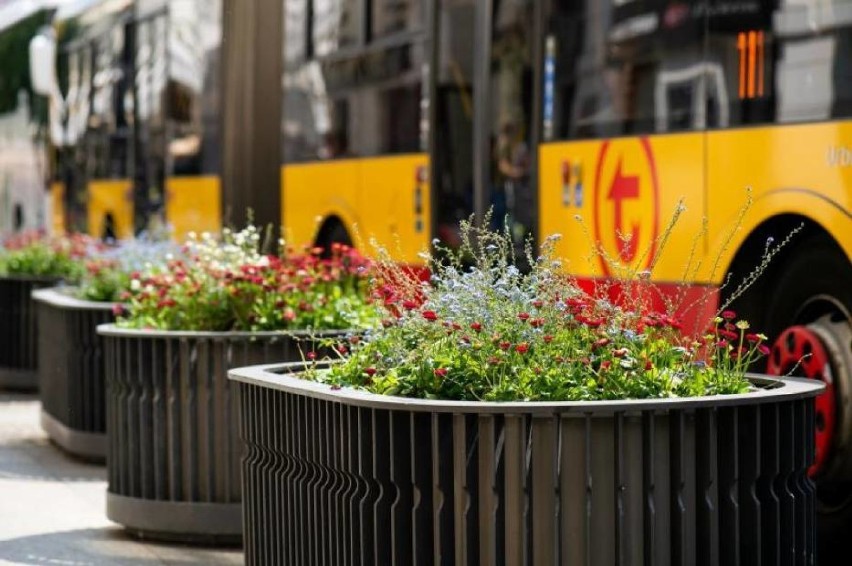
330, 230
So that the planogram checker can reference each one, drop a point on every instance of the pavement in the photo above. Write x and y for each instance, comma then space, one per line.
52, 506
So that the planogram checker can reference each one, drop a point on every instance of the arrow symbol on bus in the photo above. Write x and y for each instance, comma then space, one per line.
624, 187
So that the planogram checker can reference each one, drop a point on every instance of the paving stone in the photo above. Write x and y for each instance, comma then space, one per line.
52, 506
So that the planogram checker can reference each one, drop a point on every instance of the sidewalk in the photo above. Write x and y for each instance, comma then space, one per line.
52, 507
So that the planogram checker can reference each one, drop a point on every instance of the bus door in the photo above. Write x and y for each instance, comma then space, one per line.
454, 102
484, 135
106, 144
150, 65
624, 109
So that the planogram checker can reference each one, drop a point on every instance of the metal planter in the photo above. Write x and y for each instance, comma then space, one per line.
173, 454
347, 477
19, 331
71, 371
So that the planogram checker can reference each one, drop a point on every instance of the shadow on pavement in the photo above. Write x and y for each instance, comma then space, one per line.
107, 546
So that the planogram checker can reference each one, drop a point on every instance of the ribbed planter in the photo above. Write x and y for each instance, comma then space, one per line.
173, 454
71, 371
19, 331
347, 477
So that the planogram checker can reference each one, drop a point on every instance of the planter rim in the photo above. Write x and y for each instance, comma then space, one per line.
60, 297
274, 376
114, 330
34, 278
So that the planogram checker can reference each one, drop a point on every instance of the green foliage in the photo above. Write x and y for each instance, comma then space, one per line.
39, 256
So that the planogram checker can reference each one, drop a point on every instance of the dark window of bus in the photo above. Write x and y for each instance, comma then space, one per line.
353, 103
336, 24
813, 52
107, 136
193, 34
741, 53
624, 68
396, 16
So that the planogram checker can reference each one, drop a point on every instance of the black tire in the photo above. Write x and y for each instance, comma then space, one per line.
814, 281
816, 275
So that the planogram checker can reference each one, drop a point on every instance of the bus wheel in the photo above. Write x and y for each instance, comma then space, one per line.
809, 318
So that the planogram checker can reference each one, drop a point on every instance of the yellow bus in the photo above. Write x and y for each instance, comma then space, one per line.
134, 116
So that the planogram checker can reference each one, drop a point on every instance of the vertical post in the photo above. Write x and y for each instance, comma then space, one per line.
482, 109
251, 110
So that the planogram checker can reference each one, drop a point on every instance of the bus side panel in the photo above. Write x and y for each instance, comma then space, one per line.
798, 169
313, 192
625, 191
395, 207
57, 208
113, 198
194, 204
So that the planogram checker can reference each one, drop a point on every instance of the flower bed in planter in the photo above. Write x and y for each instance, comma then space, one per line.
174, 448
344, 476
71, 371
172, 415
28, 262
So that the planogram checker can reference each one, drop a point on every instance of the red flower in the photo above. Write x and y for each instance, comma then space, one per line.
371, 371
476, 327
537, 322
430, 315
606, 364
620, 353
311, 356
505, 345
441, 372
523, 316
409, 305
729, 315
538, 303
600, 343
752, 338
341, 349
118, 310
728, 334
522, 348
547, 338
648, 365
763, 349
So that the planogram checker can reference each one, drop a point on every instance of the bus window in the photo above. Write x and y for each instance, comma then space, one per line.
363, 105
454, 104
511, 84
626, 68
336, 24
741, 43
396, 16
814, 48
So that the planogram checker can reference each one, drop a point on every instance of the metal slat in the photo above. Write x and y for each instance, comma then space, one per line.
707, 488
572, 489
544, 490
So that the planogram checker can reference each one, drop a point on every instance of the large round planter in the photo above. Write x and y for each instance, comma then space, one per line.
19, 331
173, 451
71, 371
347, 477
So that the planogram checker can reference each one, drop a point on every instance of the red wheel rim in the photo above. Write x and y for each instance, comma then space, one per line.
800, 351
